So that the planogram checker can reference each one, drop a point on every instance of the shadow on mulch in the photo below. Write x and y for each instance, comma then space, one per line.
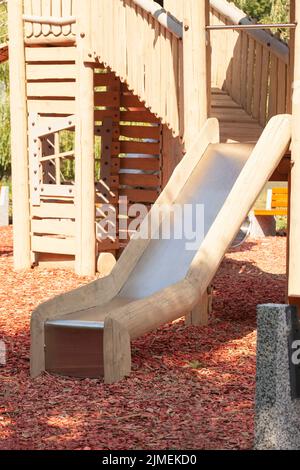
190, 387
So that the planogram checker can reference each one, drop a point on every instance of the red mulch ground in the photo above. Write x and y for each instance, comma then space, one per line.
191, 388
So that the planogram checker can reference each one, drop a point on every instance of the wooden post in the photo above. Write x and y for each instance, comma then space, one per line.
294, 245
196, 73
19, 152
200, 315
85, 261
195, 68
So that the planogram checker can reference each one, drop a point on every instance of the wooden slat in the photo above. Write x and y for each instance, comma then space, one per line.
257, 80
281, 88
280, 191
139, 195
54, 211
145, 181
282, 212
141, 132
50, 72
146, 164
50, 54
274, 85
53, 245
105, 79
63, 107
130, 101
106, 98
54, 190
138, 116
53, 227
55, 89
279, 203
99, 115
264, 86
244, 61
250, 75
146, 148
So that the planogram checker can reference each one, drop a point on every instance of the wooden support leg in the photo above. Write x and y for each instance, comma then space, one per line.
294, 232
199, 316
85, 260
116, 351
19, 144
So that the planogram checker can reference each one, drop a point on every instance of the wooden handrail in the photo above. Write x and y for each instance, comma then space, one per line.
252, 66
248, 27
50, 20
162, 16
237, 16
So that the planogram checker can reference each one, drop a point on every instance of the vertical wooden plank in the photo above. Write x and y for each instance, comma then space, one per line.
66, 11
37, 11
195, 68
163, 75
264, 86
175, 85
46, 11
231, 40
236, 70
73, 13
28, 11
19, 153
274, 86
282, 88
57, 160
257, 81
294, 252
85, 259
250, 76
48, 148
244, 61
56, 11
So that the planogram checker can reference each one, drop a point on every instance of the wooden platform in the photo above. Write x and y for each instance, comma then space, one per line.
235, 124
3, 52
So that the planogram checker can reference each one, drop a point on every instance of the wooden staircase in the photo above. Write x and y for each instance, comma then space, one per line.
248, 70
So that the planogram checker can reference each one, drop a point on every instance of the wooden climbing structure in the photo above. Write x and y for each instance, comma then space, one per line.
129, 84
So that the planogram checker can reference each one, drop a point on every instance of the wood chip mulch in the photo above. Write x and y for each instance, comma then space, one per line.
191, 388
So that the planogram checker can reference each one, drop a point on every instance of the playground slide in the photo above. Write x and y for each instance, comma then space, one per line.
87, 332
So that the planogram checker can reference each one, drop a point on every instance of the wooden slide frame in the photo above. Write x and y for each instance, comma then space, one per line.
141, 316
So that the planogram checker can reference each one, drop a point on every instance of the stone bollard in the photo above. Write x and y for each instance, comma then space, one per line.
277, 415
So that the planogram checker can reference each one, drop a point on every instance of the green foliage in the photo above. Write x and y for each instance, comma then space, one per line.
267, 11
256, 9
4, 130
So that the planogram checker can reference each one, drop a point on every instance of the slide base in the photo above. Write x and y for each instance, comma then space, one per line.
74, 348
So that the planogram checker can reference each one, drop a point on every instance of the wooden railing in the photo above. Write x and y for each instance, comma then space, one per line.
144, 46
43, 9
252, 66
146, 56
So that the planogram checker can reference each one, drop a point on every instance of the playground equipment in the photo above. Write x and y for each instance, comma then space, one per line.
149, 285
125, 77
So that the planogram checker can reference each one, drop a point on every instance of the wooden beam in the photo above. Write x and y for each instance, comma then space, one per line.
195, 65
197, 83
85, 261
19, 153
294, 246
